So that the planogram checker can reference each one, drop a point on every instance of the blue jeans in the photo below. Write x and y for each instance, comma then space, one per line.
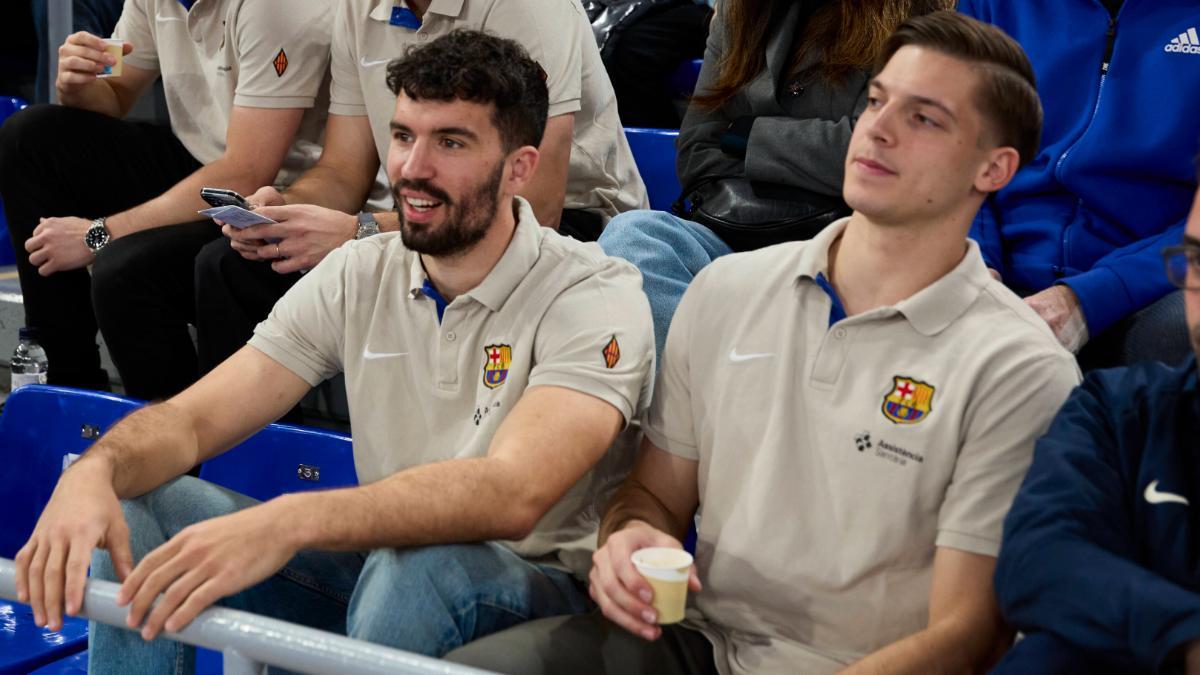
428, 600
669, 252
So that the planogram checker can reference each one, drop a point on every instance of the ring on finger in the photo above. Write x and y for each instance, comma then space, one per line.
277, 252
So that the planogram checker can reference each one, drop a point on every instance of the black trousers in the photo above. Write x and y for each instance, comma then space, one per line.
647, 53
232, 296
58, 161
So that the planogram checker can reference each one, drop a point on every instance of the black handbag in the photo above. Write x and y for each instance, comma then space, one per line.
748, 215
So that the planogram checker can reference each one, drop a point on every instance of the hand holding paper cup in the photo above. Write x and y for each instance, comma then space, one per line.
115, 47
667, 571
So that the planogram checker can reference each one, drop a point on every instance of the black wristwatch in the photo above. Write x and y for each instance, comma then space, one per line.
97, 236
367, 226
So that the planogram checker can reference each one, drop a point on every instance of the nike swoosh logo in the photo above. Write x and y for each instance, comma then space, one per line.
370, 355
367, 64
160, 17
738, 358
1155, 497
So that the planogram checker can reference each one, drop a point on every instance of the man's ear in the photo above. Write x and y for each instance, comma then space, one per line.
522, 164
1000, 167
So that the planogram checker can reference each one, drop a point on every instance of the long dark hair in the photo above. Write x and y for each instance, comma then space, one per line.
849, 33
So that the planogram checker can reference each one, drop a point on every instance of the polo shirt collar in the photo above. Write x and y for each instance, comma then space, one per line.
510, 270
931, 309
449, 8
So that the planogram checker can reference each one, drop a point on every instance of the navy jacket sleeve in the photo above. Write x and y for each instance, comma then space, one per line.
1067, 565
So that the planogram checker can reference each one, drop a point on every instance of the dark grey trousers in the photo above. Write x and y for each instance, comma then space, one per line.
587, 644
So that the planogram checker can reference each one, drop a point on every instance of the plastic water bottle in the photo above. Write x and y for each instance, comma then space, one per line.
29, 363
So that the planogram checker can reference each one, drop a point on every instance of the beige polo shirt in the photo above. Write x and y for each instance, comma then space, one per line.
222, 53
602, 176
833, 460
553, 311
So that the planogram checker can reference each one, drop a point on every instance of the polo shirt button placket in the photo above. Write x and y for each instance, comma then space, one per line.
840, 333
451, 337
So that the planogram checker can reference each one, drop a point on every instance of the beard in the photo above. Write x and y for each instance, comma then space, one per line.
467, 219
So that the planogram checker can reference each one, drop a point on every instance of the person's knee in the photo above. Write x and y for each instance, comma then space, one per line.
433, 599
24, 131
412, 582
643, 235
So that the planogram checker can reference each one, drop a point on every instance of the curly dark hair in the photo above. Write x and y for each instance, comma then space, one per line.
471, 65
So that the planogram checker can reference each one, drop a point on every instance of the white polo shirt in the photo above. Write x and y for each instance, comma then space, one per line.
553, 311
222, 53
834, 459
602, 176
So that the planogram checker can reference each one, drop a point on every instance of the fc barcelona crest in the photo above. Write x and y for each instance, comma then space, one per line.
909, 402
495, 369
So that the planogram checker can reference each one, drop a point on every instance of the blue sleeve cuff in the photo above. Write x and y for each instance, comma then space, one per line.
1103, 298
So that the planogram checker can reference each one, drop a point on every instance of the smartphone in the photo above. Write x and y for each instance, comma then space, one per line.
223, 197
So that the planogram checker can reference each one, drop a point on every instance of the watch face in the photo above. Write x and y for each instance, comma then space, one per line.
96, 237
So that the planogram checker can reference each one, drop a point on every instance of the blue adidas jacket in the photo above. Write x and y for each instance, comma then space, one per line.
1114, 178
1097, 548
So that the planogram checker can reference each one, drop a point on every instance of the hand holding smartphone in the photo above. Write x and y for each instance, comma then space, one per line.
230, 208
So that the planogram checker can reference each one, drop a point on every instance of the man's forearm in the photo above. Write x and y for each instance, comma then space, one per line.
97, 97
145, 450
633, 502
180, 203
329, 186
950, 647
459, 500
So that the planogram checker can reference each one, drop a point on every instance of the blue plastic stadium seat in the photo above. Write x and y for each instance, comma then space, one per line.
683, 80
283, 458
8, 106
654, 153
40, 426
75, 664
24, 646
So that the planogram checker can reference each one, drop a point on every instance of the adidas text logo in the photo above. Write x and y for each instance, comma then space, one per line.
1186, 43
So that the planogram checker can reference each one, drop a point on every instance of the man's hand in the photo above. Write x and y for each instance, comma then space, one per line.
57, 245
80, 58
305, 234
617, 587
202, 564
83, 514
1059, 308
245, 245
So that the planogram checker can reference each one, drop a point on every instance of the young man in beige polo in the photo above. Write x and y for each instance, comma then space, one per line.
245, 90
492, 367
848, 418
586, 175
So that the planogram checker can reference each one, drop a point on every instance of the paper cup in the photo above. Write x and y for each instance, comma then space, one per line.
116, 47
666, 570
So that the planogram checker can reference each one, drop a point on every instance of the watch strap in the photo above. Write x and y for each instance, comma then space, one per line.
367, 225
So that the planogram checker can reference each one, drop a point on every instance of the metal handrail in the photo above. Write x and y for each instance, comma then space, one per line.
249, 641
